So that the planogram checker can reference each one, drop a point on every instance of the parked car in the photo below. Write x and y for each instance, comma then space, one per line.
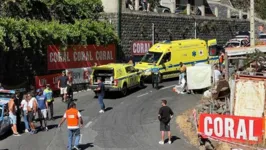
162, 9
117, 77
243, 35
5, 96
262, 37
236, 43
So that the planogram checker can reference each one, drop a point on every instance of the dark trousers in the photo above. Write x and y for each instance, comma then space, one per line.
18, 121
51, 107
155, 81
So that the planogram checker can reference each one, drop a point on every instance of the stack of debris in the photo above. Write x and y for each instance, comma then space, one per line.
216, 100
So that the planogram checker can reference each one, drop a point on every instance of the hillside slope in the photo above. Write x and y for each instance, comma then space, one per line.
260, 6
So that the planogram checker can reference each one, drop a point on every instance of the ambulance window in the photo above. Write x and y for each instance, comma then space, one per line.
167, 57
129, 69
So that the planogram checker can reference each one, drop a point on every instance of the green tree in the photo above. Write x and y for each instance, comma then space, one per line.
260, 6
28, 26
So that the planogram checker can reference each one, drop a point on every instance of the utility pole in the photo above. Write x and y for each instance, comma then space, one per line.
153, 34
252, 24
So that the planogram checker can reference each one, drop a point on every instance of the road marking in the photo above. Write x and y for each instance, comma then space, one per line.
88, 124
167, 87
80, 140
143, 94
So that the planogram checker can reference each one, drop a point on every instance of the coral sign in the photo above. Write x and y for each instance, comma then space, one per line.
231, 128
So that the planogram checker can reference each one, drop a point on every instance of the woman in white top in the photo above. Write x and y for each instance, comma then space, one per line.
24, 106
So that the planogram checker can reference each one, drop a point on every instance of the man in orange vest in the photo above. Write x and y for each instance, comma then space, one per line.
221, 58
73, 117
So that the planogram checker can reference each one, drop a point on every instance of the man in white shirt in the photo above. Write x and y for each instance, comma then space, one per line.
32, 109
216, 75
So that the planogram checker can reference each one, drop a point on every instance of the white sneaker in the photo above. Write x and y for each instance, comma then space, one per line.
169, 142
161, 142
27, 131
46, 129
101, 111
16, 134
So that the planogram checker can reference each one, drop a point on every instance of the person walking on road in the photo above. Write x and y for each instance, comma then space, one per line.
12, 115
42, 109
155, 76
50, 100
24, 106
32, 109
73, 117
62, 85
100, 93
18, 110
165, 115
182, 72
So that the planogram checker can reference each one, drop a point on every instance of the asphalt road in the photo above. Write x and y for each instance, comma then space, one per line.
130, 123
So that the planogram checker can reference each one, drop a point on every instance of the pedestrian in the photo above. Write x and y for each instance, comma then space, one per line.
70, 88
221, 58
62, 85
24, 106
32, 109
182, 72
42, 109
18, 111
50, 100
1, 87
100, 90
216, 75
73, 117
165, 115
155, 76
12, 115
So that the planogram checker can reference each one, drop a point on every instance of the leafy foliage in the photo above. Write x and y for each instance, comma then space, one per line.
28, 26
37, 23
66, 11
34, 34
260, 6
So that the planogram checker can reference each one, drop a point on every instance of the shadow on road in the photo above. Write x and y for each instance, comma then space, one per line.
52, 126
118, 95
58, 117
173, 139
85, 146
81, 110
108, 108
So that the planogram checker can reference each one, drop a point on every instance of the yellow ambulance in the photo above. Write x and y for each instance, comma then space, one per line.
168, 54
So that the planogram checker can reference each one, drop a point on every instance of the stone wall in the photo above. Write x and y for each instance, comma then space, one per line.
137, 26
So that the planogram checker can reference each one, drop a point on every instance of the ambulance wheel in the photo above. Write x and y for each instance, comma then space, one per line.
124, 90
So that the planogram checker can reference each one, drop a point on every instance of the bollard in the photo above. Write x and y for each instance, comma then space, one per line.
228, 13
188, 9
136, 4
202, 10
240, 14
173, 6
216, 11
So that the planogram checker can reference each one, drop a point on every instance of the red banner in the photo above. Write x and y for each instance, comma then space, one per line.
141, 47
52, 79
79, 56
232, 128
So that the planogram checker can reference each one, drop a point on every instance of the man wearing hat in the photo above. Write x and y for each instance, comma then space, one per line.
62, 85
42, 108
50, 100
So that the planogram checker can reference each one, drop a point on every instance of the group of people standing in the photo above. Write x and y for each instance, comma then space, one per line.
31, 105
